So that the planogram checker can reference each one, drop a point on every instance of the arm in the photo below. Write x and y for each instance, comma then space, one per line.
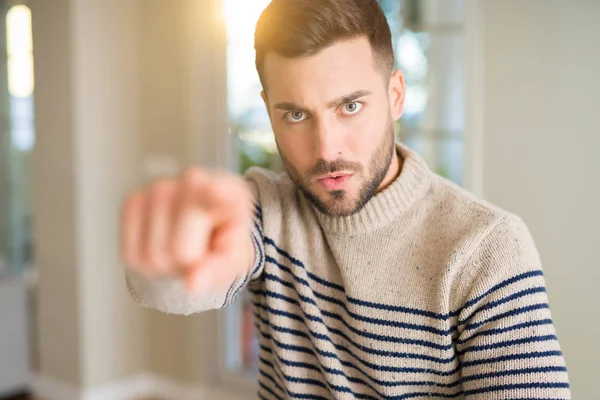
506, 342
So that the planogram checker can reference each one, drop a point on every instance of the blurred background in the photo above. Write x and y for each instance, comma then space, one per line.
98, 97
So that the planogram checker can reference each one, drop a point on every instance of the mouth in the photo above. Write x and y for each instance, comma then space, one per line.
335, 181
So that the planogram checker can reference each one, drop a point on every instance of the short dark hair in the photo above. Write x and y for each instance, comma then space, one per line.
301, 28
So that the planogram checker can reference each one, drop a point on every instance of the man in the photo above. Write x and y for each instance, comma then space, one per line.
371, 276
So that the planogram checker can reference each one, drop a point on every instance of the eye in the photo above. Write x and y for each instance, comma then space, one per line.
294, 117
352, 108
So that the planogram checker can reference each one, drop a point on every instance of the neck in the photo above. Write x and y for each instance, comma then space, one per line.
393, 171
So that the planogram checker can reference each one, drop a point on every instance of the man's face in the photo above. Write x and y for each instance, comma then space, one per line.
332, 115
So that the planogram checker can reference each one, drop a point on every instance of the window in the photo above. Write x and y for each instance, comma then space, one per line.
17, 143
428, 39
251, 129
248, 119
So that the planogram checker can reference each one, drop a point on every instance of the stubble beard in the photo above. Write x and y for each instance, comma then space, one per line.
339, 203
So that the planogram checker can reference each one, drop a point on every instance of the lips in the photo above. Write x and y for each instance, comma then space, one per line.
335, 181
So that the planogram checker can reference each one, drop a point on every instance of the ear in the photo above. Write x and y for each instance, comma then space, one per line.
266, 100
396, 94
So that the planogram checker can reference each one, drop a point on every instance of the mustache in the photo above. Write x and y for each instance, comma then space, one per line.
323, 167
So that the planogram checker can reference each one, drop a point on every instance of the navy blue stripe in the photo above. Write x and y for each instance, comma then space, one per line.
278, 376
497, 331
269, 377
384, 338
268, 389
338, 372
256, 268
248, 276
239, 288
327, 385
365, 319
393, 369
258, 211
537, 398
360, 381
383, 383
466, 364
296, 395
259, 242
353, 300
365, 349
376, 321
513, 357
377, 367
261, 254
260, 231
511, 313
326, 369
513, 372
496, 303
402, 309
298, 263
427, 394
344, 389
513, 386
227, 294
508, 343
499, 286
291, 378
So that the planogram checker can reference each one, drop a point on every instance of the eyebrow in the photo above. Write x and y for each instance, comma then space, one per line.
348, 98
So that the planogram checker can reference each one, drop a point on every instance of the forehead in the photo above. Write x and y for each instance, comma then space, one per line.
336, 70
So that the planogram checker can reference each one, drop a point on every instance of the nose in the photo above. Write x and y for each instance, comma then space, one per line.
328, 143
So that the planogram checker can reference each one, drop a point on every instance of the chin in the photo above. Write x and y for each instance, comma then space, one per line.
336, 211
339, 204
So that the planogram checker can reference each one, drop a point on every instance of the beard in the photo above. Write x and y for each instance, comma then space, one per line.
339, 203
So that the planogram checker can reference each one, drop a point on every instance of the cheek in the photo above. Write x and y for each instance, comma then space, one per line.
294, 144
364, 137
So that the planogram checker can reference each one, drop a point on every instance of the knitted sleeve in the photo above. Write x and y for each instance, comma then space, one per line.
506, 340
169, 295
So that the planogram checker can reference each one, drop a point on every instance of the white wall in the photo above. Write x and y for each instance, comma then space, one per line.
541, 140
53, 182
85, 159
106, 115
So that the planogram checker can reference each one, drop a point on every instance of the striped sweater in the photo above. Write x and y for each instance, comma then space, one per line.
427, 292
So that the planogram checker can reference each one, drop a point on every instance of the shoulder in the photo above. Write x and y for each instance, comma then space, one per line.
484, 232
460, 200
494, 248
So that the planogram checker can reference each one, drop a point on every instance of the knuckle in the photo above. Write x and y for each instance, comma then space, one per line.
132, 199
156, 259
162, 187
193, 175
